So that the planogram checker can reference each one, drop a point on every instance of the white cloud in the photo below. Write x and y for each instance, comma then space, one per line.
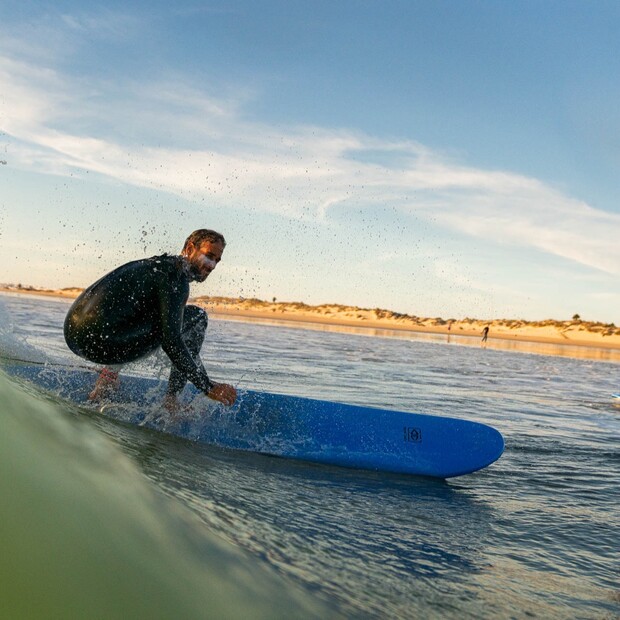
181, 140
104, 23
537, 216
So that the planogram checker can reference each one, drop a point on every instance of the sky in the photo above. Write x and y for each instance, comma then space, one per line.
440, 158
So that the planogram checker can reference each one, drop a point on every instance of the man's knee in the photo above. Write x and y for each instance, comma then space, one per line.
195, 319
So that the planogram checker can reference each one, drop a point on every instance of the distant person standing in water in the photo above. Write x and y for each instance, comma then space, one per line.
141, 306
485, 333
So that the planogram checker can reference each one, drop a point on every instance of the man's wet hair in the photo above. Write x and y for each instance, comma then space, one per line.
198, 237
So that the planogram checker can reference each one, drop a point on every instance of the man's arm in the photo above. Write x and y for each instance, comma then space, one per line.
171, 306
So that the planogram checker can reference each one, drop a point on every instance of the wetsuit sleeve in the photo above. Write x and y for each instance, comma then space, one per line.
171, 306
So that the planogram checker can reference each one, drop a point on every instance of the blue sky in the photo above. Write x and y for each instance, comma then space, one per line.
437, 158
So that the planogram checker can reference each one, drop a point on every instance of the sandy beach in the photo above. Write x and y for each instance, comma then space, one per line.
553, 332
574, 332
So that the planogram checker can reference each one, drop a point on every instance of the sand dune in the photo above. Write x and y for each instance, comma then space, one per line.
560, 332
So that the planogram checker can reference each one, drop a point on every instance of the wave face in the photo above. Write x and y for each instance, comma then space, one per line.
104, 516
85, 535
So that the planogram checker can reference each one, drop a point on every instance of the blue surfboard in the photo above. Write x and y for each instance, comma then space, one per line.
290, 426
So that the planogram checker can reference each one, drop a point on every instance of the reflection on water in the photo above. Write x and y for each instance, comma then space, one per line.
601, 354
564, 350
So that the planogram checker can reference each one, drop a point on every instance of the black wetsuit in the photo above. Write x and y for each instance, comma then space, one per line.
137, 308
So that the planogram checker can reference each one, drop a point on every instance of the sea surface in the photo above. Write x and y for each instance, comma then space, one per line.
102, 519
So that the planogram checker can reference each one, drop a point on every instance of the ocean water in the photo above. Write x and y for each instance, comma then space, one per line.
100, 519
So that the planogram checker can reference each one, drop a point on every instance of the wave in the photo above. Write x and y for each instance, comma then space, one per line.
86, 534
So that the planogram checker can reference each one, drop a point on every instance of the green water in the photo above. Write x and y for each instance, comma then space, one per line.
85, 535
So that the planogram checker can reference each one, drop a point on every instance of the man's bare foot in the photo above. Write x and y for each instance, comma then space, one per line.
174, 407
107, 383
171, 404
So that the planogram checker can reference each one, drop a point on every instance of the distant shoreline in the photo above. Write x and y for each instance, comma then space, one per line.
574, 333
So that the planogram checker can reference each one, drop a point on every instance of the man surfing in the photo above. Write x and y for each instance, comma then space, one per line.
141, 306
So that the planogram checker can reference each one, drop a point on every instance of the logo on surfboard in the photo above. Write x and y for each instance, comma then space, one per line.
412, 435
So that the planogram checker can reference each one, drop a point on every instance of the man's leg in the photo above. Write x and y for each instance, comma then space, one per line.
106, 384
195, 322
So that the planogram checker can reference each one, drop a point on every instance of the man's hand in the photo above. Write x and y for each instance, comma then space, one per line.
223, 393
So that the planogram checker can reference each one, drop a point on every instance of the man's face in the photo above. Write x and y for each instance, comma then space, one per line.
204, 259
